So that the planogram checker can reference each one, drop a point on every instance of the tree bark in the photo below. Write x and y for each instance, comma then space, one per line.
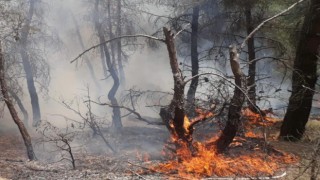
177, 103
234, 114
116, 118
23, 130
28, 68
251, 83
304, 74
194, 60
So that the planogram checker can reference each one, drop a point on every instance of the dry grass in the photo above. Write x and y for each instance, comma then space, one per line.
312, 133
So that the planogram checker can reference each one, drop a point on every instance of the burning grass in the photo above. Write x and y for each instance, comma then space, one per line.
245, 158
206, 162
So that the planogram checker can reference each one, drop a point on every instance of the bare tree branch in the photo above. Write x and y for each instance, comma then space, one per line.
131, 111
113, 39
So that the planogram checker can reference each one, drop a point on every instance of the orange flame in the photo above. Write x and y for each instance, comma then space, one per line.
206, 162
256, 119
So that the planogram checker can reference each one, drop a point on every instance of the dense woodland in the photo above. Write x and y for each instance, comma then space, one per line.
221, 88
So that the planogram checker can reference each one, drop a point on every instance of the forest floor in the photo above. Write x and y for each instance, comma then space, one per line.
139, 147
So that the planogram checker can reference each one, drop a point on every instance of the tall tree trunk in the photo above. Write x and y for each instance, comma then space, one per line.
234, 114
116, 118
119, 45
251, 83
23, 130
28, 68
194, 60
304, 75
90, 67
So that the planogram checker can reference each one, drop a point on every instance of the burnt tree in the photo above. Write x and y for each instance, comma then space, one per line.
177, 104
116, 117
304, 76
5, 93
194, 58
251, 82
28, 67
234, 114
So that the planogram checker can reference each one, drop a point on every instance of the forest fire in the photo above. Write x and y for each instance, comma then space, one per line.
207, 162
203, 160
257, 119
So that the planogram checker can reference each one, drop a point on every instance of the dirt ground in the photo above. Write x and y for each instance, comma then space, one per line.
138, 147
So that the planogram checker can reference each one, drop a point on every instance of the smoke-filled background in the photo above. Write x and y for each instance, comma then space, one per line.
146, 68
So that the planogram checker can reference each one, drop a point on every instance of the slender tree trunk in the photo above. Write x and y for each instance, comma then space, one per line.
194, 60
116, 118
304, 75
119, 45
251, 83
110, 32
21, 106
177, 103
234, 114
28, 68
90, 67
23, 130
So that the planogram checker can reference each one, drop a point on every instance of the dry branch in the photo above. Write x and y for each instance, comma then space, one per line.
131, 111
113, 39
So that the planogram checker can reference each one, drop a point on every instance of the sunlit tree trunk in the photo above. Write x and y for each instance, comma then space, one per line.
234, 114
28, 68
194, 60
23, 130
304, 76
176, 106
